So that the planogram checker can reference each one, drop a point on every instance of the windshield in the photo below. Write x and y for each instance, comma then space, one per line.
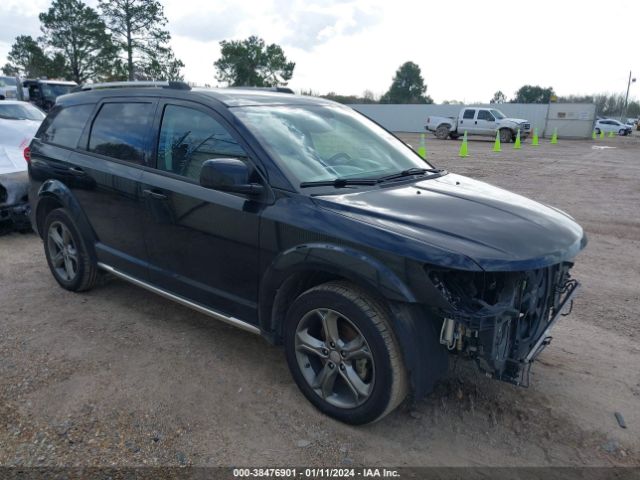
498, 114
52, 91
14, 111
318, 143
7, 82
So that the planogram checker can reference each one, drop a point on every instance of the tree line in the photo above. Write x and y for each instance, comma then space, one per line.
607, 104
120, 40
128, 40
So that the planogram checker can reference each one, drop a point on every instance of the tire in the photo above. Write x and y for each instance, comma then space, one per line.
74, 271
505, 135
597, 131
359, 320
442, 132
622, 133
454, 136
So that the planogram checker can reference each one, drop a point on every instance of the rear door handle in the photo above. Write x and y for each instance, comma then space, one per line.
154, 194
77, 171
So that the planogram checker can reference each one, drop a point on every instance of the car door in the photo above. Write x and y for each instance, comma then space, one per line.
203, 244
116, 147
467, 122
105, 146
485, 123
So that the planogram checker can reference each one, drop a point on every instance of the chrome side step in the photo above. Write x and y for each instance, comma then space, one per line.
182, 301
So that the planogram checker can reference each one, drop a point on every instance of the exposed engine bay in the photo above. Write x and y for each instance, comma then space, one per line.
502, 319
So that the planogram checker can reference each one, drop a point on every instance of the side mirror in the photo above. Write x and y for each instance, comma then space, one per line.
228, 175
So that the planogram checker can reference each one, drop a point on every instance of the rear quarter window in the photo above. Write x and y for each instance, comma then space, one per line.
63, 127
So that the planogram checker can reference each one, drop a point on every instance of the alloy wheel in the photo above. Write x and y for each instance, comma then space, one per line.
334, 358
62, 251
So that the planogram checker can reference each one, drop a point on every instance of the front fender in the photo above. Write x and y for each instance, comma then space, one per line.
334, 261
415, 327
346, 262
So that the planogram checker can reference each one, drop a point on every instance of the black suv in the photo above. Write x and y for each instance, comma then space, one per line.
298, 219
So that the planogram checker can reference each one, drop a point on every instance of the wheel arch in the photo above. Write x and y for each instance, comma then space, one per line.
305, 266
55, 194
297, 270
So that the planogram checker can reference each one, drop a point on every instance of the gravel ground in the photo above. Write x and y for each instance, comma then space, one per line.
121, 377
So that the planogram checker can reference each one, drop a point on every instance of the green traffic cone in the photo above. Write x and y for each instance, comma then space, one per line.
554, 137
601, 134
516, 145
464, 149
496, 144
422, 149
610, 134
535, 141
593, 135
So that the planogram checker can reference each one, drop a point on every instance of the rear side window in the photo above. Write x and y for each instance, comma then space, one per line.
65, 126
120, 131
468, 114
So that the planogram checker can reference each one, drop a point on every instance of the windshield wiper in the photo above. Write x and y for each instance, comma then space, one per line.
339, 182
435, 172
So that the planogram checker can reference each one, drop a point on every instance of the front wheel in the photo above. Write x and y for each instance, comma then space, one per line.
343, 354
442, 132
67, 254
622, 132
505, 135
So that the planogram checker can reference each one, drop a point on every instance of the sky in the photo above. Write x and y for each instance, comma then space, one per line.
467, 50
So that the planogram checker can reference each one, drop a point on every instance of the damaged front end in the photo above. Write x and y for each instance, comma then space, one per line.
14, 204
502, 319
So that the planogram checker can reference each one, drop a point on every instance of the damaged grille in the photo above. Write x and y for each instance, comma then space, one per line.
500, 318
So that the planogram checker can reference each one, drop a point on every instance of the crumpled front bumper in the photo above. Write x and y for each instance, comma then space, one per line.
14, 202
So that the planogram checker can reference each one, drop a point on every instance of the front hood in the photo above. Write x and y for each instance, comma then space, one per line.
15, 135
515, 120
497, 229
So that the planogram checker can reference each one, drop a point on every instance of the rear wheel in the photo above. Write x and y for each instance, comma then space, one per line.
505, 135
442, 132
66, 253
342, 353
597, 131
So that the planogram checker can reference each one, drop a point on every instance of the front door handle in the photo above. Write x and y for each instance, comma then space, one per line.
154, 194
77, 171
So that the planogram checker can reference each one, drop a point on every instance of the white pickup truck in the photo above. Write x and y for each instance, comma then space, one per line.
478, 121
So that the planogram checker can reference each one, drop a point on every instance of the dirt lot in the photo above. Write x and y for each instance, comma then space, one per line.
119, 376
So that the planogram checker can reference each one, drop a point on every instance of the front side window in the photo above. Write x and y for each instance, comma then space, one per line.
485, 115
65, 127
469, 114
318, 143
188, 138
120, 131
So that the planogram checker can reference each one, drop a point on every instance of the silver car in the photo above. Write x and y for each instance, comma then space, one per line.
19, 122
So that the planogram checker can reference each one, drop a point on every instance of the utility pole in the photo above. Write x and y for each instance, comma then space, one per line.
626, 98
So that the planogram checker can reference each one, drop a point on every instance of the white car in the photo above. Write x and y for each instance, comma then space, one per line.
607, 125
19, 122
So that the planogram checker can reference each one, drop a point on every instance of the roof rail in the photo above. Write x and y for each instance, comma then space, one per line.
153, 84
268, 89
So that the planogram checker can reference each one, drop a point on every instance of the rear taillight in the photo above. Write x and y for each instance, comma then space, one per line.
27, 154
